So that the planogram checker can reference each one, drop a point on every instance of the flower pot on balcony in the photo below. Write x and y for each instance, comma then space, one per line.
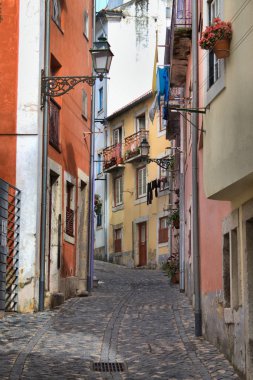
176, 224
175, 278
222, 48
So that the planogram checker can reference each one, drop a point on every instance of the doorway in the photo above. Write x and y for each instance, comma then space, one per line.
142, 233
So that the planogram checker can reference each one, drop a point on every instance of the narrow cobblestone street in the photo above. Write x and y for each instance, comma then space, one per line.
135, 317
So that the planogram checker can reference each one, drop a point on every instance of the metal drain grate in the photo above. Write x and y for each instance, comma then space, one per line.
108, 367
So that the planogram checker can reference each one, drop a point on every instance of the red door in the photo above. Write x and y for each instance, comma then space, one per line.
142, 244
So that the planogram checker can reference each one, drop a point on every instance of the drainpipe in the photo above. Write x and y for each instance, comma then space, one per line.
195, 220
44, 164
90, 258
106, 184
182, 208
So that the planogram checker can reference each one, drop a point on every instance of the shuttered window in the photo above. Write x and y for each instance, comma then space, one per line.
163, 230
118, 240
56, 12
141, 182
54, 117
118, 191
84, 104
86, 24
69, 210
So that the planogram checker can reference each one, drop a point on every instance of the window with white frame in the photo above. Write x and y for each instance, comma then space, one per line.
84, 104
140, 122
141, 182
86, 24
118, 191
214, 10
117, 135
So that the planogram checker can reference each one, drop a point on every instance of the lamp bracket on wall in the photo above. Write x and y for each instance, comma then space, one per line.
57, 86
164, 163
190, 110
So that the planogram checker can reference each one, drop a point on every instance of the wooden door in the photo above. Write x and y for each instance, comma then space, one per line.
142, 244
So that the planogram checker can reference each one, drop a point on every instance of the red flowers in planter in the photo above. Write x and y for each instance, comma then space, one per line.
218, 30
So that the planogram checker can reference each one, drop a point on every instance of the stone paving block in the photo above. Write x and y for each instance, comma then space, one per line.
135, 317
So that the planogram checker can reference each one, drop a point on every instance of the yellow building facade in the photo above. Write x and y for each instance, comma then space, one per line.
138, 231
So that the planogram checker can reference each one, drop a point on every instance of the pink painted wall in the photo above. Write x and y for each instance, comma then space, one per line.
211, 213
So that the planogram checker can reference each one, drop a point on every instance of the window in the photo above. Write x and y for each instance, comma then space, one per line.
54, 117
214, 63
163, 176
117, 140
56, 14
117, 136
118, 240
140, 122
99, 220
100, 99
99, 163
55, 65
86, 24
163, 230
141, 182
70, 209
118, 191
231, 269
84, 104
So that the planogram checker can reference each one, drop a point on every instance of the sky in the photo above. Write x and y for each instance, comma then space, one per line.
100, 4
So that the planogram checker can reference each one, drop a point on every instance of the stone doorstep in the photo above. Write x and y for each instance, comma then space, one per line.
2, 314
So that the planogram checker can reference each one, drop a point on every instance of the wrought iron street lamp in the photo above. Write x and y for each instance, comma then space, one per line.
54, 86
164, 163
101, 57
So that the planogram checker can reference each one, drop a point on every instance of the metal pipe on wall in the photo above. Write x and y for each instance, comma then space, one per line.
195, 208
44, 164
90, 258
182, 206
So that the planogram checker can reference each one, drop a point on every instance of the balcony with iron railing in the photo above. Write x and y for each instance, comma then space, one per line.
133, 151
112, 158
180, 40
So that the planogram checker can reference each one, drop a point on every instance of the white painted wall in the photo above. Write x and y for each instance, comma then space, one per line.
132, 42
28, 161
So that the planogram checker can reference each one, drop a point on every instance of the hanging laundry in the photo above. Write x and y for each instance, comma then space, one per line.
165, 112
154, 187
162, 83
153, 108
149, 194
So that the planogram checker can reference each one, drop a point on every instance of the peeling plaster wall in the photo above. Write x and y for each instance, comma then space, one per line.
224, 328
132, 41
28, 162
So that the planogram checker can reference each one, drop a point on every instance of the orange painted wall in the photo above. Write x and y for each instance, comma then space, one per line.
9, 16
71, 49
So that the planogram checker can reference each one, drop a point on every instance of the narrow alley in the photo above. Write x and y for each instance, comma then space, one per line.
134, 317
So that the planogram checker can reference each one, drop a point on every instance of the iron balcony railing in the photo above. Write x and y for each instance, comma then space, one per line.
182, 13
112, 156
133, 143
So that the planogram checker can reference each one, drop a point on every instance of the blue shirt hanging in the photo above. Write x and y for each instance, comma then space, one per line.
162, 83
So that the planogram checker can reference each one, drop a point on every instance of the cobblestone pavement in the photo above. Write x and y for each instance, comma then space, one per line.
135, 317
